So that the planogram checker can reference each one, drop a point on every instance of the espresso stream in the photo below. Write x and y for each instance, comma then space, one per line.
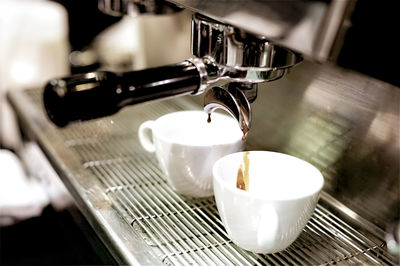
244, 130
242, 181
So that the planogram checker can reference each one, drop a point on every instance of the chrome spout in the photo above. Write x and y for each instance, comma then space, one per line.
231, 99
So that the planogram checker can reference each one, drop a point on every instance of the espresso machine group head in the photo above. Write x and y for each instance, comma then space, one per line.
227, 64
232, 63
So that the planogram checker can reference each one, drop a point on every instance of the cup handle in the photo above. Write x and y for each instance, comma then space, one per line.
145, 135
267, 227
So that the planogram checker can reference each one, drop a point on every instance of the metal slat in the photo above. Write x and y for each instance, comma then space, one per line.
148, 227
182, 225
170, 191
353, 237
163, 214
167, 191
335, 242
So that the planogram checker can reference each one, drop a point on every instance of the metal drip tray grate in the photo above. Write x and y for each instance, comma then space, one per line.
180, 230
189, 231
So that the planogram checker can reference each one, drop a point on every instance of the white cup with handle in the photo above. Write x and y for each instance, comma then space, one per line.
282, 194
187, 146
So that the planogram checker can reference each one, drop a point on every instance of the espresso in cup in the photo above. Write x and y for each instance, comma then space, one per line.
187, 146
276, 204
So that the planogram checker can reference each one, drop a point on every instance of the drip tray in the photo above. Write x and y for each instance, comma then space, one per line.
124, 196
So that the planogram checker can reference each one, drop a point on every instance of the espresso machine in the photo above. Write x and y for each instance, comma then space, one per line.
275, 66
233, 59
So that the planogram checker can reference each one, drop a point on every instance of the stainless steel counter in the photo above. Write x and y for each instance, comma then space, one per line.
141, 220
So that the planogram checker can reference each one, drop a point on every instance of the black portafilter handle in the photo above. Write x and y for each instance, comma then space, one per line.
101, 93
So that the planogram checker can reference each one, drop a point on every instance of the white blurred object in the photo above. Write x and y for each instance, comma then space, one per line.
165, 38
121, 44
34, 42
29, 185
34, 48
146, 41
20, 196
39, 168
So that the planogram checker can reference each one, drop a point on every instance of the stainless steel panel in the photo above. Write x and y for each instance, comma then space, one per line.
309, 27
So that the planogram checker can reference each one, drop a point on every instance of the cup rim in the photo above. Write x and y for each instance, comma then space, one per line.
227, 141
234, 189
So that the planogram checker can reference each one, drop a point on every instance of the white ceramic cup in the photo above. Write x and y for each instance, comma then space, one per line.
283, 192
187, 146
